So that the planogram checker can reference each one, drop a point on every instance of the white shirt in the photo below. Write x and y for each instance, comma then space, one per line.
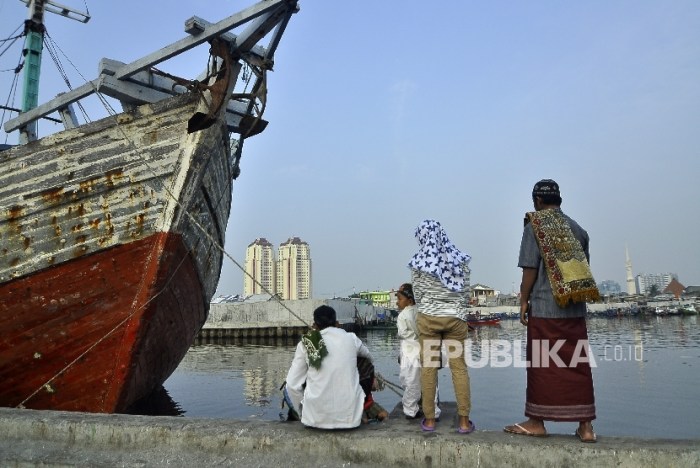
407, 331
333, 398
406, 323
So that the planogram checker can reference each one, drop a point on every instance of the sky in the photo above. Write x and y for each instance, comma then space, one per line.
385, 113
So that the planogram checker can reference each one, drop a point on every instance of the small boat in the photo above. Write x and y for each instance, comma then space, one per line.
687, 309
111, 232
475, 321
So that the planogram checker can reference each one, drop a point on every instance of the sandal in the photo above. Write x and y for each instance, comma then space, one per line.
468, 430
426, 428
586, 440
520, 430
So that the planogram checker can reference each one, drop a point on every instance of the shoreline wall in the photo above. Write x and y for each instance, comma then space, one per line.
287, 319
53, 438
272, 318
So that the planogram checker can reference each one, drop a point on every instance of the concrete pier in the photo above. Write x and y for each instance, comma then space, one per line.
280, 319
48, 438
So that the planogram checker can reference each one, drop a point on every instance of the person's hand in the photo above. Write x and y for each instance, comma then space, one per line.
524, 310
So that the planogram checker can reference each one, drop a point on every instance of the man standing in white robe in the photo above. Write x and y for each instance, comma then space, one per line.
326, 360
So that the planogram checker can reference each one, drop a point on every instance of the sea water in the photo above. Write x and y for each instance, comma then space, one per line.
646, 376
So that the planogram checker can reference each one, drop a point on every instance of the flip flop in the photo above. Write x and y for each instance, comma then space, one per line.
426, 428
468, 430
520, 430
591, 440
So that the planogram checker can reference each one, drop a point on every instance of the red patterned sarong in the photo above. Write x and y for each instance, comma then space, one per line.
556, 393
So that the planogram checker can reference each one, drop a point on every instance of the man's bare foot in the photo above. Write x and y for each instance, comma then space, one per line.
585, 432
531, 427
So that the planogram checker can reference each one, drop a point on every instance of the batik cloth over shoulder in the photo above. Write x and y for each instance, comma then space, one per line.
315, 348
564, 259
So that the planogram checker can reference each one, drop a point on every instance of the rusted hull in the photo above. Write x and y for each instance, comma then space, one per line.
109, 256
97, 333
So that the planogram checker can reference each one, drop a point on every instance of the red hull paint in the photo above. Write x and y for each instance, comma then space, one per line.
97, 333
484, 322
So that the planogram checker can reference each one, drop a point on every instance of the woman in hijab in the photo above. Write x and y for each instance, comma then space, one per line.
440, 277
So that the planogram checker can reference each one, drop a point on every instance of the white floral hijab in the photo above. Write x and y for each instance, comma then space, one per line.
438, 256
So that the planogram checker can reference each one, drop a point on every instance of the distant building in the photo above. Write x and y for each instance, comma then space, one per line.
675, 288
692, 291
610, 288
645, 282
293, 270
259, 275
482, 295
379, 298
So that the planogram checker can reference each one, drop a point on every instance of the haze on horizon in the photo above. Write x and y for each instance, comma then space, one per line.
383, 114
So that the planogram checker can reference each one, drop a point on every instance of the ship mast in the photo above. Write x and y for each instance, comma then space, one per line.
34, 30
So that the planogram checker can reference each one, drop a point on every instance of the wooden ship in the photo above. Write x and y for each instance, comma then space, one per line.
112, 232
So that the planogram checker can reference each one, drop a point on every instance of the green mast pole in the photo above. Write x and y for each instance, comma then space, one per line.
34, 29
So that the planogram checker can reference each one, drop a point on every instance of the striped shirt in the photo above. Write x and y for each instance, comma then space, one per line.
434, 299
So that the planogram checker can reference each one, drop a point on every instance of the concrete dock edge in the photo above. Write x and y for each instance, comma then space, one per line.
52, 438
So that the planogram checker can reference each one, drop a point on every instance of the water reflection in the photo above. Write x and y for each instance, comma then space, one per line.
258, 368
158, 403
641, 362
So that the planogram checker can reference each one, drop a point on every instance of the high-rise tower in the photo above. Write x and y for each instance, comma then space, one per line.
259, 267
294, 269
631, 286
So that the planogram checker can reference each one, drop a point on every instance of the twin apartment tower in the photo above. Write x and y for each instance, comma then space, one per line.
288, 276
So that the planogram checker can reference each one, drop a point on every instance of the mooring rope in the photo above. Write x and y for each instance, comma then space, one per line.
385, 383
213, 242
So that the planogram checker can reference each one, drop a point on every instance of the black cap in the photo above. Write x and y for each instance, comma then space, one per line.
544, 188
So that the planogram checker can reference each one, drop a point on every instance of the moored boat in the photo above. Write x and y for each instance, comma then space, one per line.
475, 321
111, 232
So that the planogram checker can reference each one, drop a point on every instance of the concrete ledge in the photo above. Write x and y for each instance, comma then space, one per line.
50, 438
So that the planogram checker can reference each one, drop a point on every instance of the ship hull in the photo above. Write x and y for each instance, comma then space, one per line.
110, 243
99, 332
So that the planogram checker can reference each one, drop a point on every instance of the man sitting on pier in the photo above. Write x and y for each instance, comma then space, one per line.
323, 379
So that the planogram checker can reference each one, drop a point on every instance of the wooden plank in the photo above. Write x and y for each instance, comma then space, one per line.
45, 109
68, 116
131, 93
197, 25
259, 27
190, 42
121, 363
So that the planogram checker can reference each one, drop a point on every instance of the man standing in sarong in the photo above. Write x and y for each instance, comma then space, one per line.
556, 284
